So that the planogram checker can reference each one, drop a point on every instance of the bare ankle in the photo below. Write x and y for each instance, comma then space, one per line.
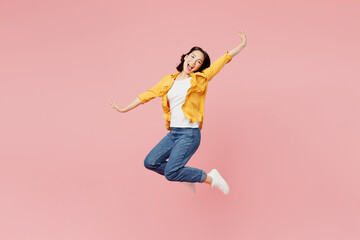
208, 179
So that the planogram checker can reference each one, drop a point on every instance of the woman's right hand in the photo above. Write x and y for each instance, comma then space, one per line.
120, 109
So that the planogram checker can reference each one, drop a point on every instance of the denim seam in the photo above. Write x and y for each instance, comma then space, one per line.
161, 156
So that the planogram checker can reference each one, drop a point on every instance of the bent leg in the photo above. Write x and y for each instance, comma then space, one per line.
156, 159
183, 150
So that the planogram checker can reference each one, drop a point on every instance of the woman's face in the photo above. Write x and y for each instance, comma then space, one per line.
193, 61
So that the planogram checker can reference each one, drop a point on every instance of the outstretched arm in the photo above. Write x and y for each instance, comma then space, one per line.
141, 98
132, 105
237, 49
214, 68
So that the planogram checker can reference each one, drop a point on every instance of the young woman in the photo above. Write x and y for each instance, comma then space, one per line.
183, 96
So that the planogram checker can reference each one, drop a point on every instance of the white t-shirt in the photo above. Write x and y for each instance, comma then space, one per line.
176, 96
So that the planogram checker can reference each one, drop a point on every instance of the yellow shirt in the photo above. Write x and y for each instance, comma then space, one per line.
193, 106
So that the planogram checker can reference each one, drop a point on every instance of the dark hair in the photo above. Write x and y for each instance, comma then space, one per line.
205, 64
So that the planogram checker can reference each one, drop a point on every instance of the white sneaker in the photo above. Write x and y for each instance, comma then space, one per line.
191, 186
218, 181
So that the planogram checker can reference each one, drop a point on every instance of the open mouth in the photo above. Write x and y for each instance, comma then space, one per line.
189, 67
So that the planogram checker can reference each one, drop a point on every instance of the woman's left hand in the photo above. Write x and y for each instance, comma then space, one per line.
243, 38
237, 49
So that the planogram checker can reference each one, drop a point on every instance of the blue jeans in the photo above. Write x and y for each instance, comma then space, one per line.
177, 146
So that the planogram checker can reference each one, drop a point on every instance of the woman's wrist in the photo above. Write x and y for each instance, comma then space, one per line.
236, 50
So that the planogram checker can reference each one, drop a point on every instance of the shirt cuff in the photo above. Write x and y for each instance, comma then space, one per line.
228, 57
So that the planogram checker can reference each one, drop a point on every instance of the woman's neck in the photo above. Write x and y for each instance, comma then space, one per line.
183, 75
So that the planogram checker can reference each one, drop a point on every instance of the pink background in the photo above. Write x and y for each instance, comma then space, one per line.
281, 121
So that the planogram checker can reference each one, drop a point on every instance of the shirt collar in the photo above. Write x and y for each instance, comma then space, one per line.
174, 75
191, 74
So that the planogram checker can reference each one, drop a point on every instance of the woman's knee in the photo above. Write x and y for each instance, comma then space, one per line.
148, 163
